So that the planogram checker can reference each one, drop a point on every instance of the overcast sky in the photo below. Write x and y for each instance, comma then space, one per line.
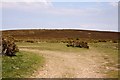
60, 15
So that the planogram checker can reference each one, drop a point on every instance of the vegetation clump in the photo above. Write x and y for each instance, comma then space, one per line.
30, 41
9, 48
102, 41
78, 44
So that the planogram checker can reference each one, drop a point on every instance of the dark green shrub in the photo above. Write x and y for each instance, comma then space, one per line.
78, 44
9, 48
77, 38
30, 41
102, 41
114, 41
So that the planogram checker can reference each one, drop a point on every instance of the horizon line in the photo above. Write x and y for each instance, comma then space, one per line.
57, 29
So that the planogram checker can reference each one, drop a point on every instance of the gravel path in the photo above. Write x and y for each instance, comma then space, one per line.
67, 65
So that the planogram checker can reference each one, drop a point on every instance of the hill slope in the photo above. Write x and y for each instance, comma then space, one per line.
60, 34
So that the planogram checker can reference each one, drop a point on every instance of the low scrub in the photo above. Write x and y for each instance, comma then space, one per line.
9, 47
30, 41
102, 41
78, 44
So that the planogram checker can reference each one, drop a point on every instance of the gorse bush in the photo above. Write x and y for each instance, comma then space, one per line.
30, 41
79, 44
9, 47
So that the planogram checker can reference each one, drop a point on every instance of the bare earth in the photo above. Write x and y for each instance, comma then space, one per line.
69, 65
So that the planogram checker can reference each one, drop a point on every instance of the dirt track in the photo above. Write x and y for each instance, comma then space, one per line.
68, 65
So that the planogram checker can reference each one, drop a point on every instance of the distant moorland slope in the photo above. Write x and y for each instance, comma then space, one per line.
60, 34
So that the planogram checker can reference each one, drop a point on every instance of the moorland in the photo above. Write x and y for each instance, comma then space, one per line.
44, 54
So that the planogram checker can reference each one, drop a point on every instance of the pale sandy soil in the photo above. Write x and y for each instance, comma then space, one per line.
68, 64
